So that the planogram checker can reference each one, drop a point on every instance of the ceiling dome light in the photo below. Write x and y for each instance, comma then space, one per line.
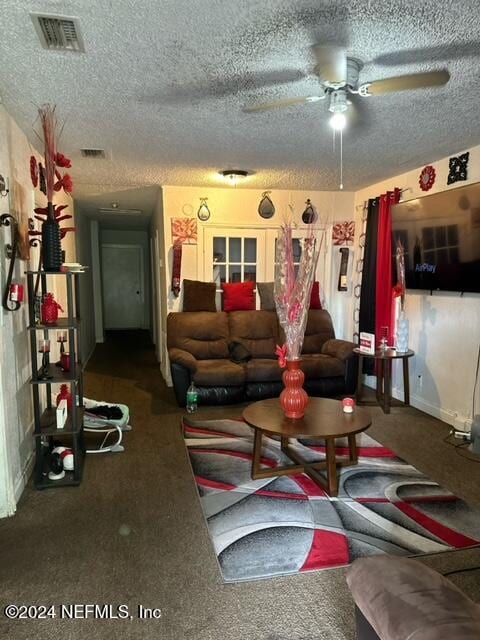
338, 121
234, 176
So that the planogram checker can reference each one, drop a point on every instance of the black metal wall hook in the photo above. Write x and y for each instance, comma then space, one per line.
7, 220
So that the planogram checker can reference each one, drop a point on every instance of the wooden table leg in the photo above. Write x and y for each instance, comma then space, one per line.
352, 444
257, 452
406, 382
332, 478
358, 391
387, 382
380, 385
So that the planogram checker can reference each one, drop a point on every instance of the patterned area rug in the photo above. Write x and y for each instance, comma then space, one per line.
284, 525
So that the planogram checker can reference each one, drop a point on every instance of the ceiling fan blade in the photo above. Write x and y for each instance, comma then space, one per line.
331, 63
287, 102
412, 81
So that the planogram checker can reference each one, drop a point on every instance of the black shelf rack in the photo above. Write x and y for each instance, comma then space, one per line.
46, 433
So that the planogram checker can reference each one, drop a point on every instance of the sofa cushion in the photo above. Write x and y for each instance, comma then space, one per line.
319, 329
201, 333
317, 365
263, 370
221, 373
403, 599
238, 296
199, 296
256, 330
267, 300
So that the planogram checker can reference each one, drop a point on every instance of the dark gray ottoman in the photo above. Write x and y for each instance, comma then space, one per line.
402, 599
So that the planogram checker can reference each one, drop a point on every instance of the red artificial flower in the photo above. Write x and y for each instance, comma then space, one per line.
398, 290
65, 183
57, 210
65, 230
62, 161
34, 173
281, 352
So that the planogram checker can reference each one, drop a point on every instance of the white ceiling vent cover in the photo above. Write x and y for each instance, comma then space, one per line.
93, 153
58, 33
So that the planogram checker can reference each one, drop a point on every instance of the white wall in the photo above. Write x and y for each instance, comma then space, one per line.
16, 410
84, 256
159, 266
97, 281
444, 327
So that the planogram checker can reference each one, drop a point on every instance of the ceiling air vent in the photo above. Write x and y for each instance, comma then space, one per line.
58, 33
93, 153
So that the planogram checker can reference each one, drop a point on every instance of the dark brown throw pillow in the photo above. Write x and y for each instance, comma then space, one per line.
199, 296
265, 291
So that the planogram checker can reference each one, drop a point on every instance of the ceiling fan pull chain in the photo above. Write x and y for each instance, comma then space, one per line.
341, 159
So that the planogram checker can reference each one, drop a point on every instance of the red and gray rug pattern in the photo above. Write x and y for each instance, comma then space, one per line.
287, 524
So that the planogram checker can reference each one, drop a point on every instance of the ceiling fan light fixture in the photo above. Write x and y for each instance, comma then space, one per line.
338, 121
234, 176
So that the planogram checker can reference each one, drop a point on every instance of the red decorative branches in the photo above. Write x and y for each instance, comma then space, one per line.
54, 160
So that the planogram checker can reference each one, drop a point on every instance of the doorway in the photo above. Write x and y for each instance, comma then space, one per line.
123, 284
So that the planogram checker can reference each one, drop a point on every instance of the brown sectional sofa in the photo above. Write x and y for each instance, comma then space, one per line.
200, 344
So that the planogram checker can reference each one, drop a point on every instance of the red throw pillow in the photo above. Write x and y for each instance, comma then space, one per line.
238, 296
315, 296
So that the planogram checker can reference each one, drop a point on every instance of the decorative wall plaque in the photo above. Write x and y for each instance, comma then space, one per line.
266, 208
458, 168
427, 178
184, 230
343, 233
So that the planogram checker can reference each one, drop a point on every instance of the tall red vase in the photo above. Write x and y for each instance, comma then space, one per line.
293, 398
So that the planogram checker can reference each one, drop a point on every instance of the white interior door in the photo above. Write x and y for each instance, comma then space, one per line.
123, 282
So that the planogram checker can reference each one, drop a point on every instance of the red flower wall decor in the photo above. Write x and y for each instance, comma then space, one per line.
427, 178
343, 233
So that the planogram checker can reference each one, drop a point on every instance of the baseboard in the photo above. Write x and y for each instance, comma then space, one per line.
89, 355
23, 478
462, 423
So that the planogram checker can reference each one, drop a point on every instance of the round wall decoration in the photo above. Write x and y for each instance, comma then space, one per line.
427, 178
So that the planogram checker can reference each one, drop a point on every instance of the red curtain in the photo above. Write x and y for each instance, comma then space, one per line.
384, 314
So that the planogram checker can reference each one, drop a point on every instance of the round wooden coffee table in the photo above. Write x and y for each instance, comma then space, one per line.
324, 418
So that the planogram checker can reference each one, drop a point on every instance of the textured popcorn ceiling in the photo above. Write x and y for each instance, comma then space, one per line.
162, 84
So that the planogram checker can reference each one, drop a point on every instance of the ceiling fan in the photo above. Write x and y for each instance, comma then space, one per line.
339, 80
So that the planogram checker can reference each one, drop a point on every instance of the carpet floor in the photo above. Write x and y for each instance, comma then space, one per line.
134, 533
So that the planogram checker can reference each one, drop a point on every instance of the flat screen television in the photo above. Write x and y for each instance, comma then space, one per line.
440, 234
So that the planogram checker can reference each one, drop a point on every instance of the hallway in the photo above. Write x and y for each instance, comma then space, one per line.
133, 532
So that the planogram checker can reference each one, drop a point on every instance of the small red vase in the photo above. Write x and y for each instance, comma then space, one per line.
293, 398
50, 309
65, 395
